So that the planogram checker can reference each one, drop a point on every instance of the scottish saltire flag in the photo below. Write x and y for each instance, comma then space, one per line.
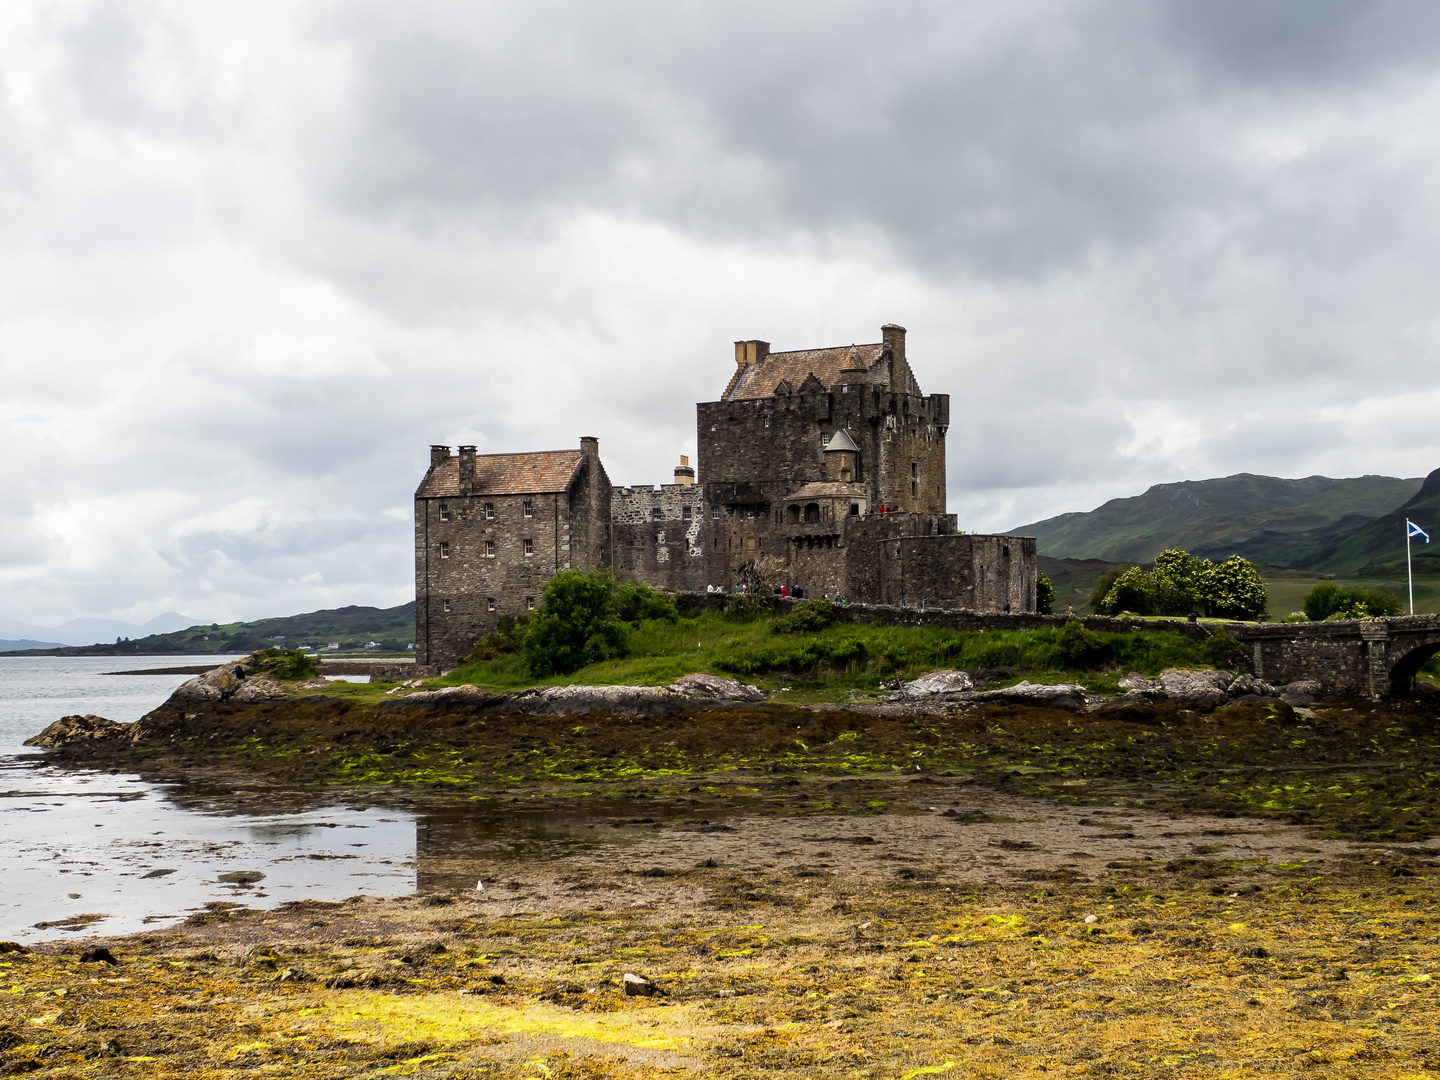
1411, 529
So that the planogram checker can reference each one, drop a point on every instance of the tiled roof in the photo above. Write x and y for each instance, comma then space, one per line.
828, 490
759, 380
544, 471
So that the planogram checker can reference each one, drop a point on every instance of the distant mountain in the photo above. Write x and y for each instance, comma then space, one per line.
15, 646
89, 631
1377, 548
351, 628
1262, 518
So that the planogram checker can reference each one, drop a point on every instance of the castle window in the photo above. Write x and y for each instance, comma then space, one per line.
529, 546
444, 511
914, 469
489, 511
529, 508
914, 488
445, 606
854, 509
444, 549
489, 603
529, 603
654, 513
714, 513
489, 549
685, 513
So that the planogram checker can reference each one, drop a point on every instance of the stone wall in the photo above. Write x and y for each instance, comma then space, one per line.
656, 536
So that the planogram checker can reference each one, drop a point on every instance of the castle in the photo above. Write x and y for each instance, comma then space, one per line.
830, 461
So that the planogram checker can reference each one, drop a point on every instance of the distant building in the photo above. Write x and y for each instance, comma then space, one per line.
830, 460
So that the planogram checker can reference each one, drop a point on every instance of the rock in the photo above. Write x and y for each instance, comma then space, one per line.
1198, 686
577, 700
1248, 684
701, 684
639, 986
447, 697
11, 946
156, 874
1136, 681
256, 690
1134, 697
939, 682
1302, 686
98, 954
217, 684
498, 980
73, 729
241, 877
1044, 695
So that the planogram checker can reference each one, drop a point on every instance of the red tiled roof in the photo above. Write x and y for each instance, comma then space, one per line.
544, 471
759, 380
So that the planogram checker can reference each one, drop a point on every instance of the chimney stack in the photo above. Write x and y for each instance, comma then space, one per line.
684, 474
590, 446
750, 352
894, 338
467, 469
439, 454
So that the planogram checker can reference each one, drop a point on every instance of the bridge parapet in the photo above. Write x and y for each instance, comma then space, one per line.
1373, 657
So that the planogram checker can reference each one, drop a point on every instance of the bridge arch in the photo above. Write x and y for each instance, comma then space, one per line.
1407, 657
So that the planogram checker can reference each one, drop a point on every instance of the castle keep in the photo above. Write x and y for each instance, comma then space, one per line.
830, 461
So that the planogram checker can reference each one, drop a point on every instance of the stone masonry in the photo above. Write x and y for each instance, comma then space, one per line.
829, 461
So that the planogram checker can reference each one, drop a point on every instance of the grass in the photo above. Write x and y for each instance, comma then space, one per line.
838, 662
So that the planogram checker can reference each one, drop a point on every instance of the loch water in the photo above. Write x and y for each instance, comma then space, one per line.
81, 843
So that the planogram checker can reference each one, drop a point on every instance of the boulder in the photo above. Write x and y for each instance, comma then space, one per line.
1136, 681
938, 682
1309, 687
1248, 685
74, 729
465, 696
577, 700
256, 690
1043, 695
1197, 686
639, 986
217, 684
716, 688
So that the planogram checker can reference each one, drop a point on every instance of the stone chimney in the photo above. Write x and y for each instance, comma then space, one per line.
467, 469
684, 474
750, 352
894, 338
590, 446
439, 454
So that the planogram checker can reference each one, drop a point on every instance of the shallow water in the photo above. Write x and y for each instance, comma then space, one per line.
85, 842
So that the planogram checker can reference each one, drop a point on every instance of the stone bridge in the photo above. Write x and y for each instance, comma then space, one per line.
1374, 657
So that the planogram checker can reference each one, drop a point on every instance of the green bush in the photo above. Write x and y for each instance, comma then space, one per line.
806, 617
1081, 648
634, 603
1044, 595
504, 639
282, 663
1180, 583
1329, 601
577, 623
1223, 651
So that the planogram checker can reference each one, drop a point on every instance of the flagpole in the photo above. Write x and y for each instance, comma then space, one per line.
1409, 573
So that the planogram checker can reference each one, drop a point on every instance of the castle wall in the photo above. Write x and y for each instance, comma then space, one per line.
657, 536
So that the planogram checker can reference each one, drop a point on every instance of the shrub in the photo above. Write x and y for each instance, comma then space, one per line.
1224, 651
1044, 595
1130, 590
577, 623
504, 639
636, 602
807, 617
1330, 601
1181, 583
1231, 590
282, 663
1081, 648
1102, 589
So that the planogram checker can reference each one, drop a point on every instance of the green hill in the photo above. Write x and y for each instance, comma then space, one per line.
351, 628
1265, 519
1377, 549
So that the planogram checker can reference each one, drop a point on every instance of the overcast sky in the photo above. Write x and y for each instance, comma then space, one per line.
256, 256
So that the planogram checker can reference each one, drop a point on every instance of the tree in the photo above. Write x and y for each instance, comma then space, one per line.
1231, 590
576, 624
1130, 590
1044, 595
1329, 601
1103, 586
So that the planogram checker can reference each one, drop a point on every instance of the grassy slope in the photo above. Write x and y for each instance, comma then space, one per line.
1263, 518
1378, 549
350, 627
